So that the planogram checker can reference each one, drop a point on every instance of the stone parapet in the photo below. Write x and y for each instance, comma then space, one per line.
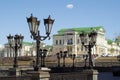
86, 74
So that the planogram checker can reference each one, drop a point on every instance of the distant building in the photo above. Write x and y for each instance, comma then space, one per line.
28, 49
68, 39
9, 52
1, 50
114, 46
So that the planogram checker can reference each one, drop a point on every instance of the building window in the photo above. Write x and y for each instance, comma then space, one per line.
56, 42
70, 41
60, 42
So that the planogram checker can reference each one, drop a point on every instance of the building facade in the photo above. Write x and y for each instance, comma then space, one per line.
68, 39
25, 51
1, 50
28, 49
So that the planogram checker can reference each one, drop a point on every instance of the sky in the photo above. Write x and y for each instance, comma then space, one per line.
67, 14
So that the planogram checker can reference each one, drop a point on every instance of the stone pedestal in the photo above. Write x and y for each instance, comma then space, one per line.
14, 72
91, 74
42, 74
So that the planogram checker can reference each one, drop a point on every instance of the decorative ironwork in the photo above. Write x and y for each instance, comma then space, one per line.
35, 34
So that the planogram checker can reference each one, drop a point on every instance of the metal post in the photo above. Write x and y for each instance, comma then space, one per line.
90, 57
15, 58
58, 57
37, 55
43, 60
63, 61
73, 62
59, 62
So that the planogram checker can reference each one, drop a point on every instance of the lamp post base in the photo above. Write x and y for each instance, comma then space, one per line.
36, 68
91, 74
42, 74
14, 71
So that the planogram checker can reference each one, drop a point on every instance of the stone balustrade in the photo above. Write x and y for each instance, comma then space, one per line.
87, 74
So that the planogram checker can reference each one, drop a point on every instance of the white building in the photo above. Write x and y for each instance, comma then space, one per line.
1, 50
28, 49
68, 39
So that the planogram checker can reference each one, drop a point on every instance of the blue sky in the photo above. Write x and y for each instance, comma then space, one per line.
81, 13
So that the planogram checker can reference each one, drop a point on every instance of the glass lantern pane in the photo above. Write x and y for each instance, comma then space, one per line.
21, 39
30, 28
93, 36
10, 39
48, 25
36, 27
16, 39
33, 24
48, 28
82, 37
86, 40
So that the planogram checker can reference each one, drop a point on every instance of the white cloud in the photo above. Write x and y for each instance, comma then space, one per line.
69, 6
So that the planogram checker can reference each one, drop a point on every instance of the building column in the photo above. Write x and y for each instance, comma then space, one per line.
106, 50
74, 44
97, 49
65, 39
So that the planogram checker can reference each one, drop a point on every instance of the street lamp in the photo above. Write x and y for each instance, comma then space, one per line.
85, 57
72, 56
58, 57
63, 55
43, 54
33, 24
88, 40
15, 42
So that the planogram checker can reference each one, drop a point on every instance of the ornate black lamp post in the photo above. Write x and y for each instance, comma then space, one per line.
58, 57
43, 54
85, 57
63, 55
33, 26
88, 40
15, 42
73, 58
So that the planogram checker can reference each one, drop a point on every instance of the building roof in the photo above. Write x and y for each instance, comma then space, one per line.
85, 29
27, 43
